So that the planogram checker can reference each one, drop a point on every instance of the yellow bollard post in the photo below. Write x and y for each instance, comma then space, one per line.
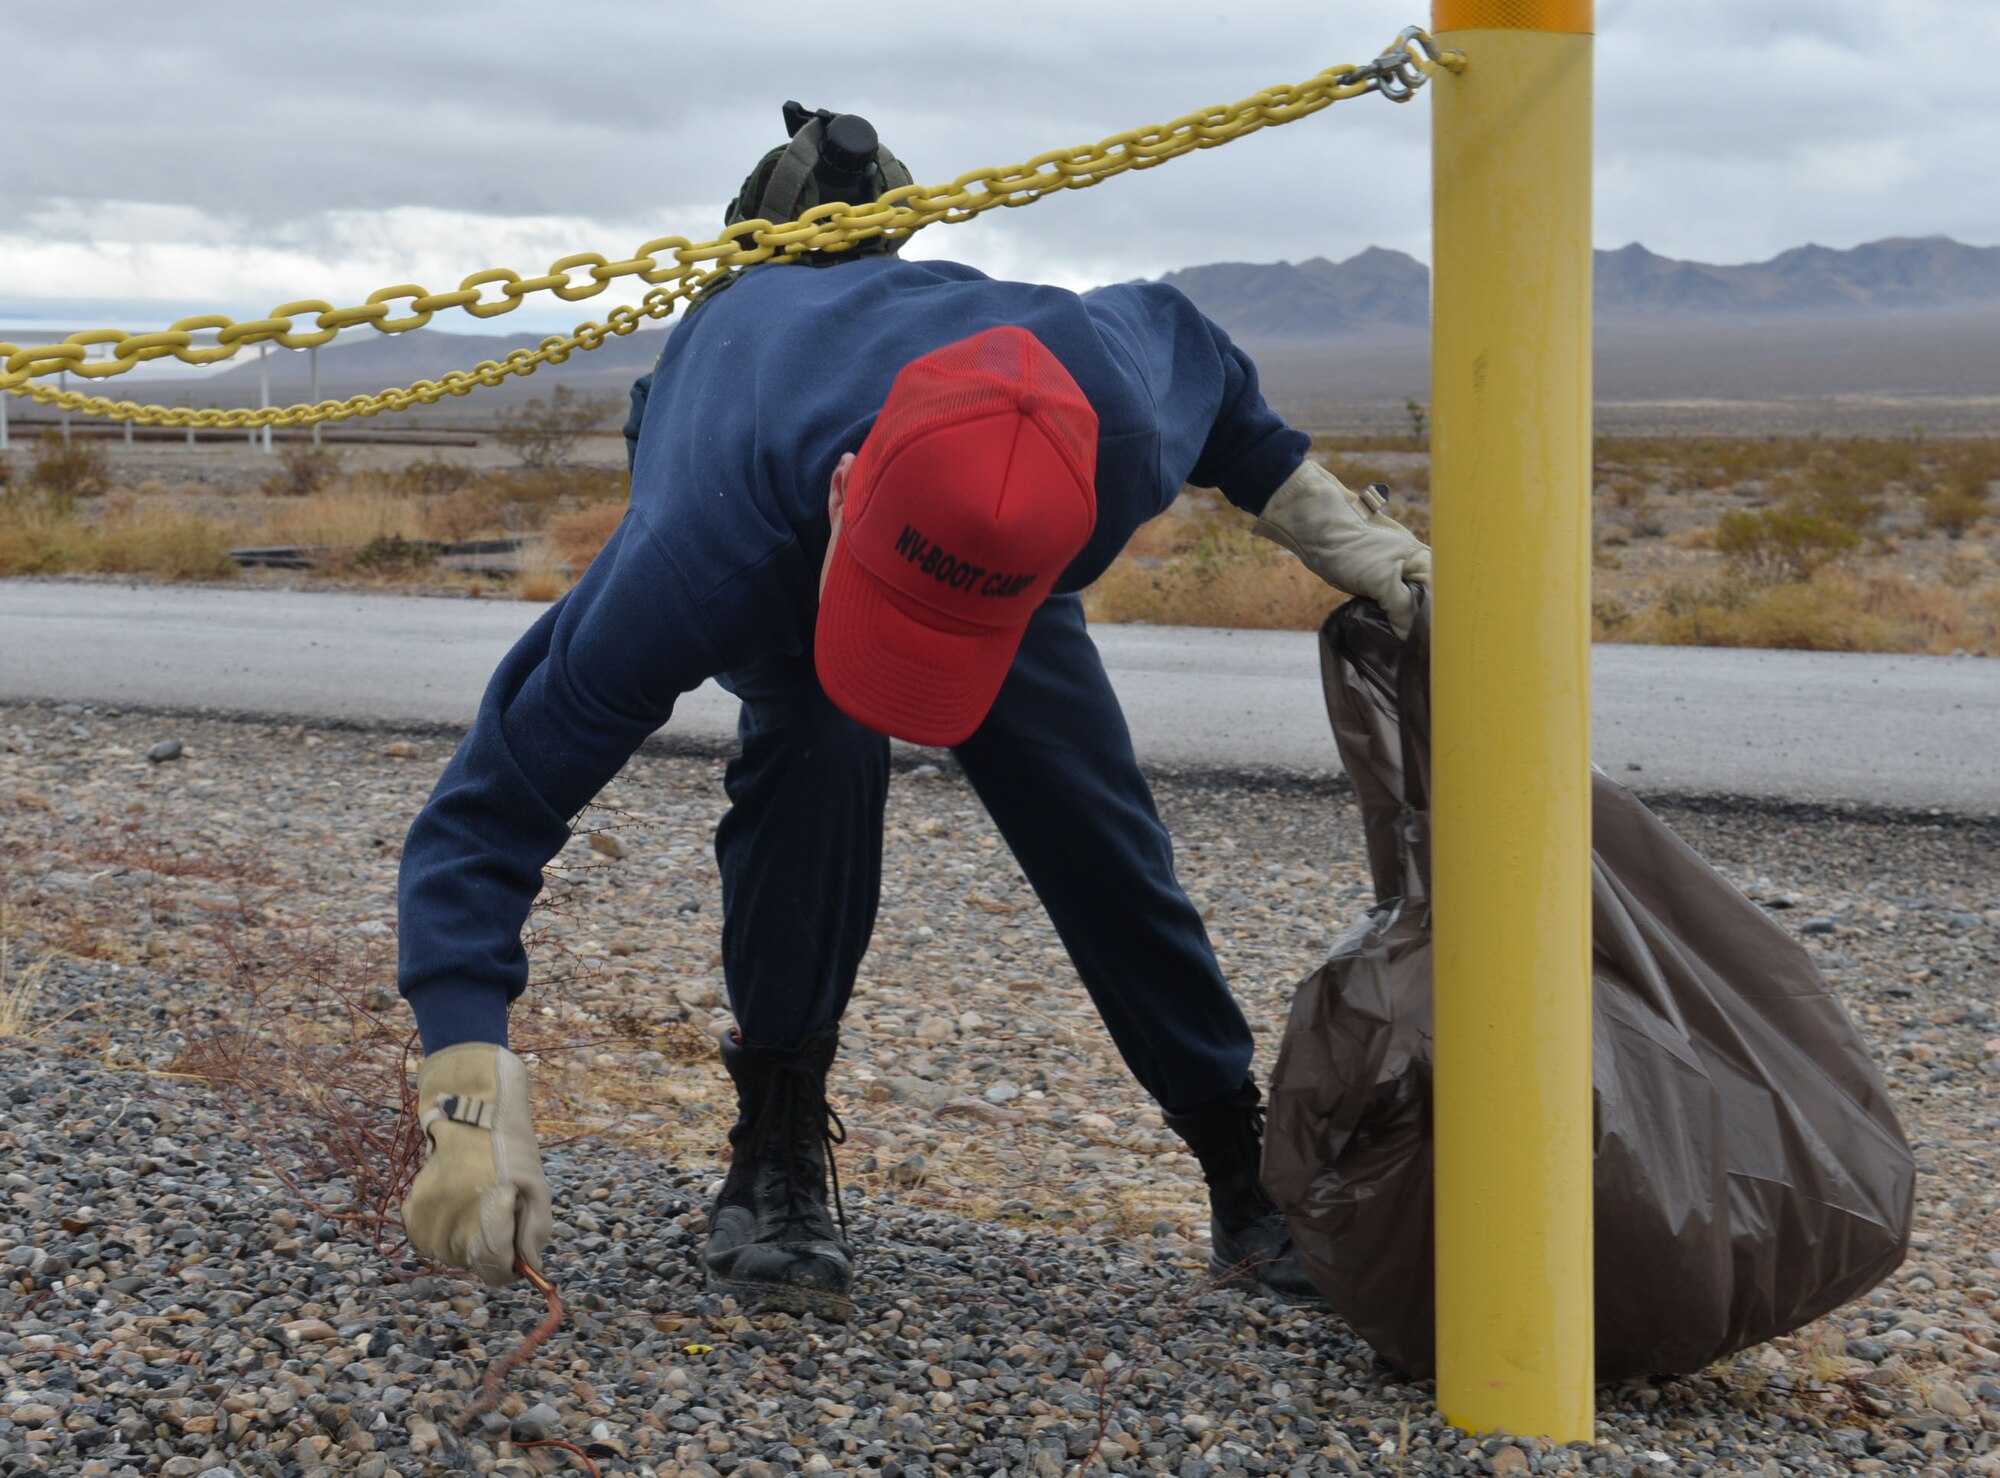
1510, 448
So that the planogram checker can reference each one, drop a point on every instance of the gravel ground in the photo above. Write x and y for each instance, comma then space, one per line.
1031, 1298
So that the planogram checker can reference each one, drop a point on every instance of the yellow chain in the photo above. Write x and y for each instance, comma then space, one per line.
680, 267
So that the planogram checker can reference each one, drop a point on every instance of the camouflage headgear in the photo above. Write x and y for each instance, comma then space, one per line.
832, 156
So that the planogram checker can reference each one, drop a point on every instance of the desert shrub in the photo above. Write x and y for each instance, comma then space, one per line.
534, 492
1958, 500
545, 432
6, 469
432, 476
1966, 566
1626, 492
1607, 615
1791, 542
302, 469
530, 494
465, 513
79, 470
1834, 612
1842, 493
1226, 577
578, 537
1419, 419
1645, 520
1175, 530
1358, 473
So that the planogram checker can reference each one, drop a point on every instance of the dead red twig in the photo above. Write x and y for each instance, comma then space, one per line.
534, 1339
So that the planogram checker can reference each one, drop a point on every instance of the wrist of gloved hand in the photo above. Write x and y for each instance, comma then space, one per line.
480, 1198
1347, 542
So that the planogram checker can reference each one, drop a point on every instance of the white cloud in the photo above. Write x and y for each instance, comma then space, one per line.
236, 155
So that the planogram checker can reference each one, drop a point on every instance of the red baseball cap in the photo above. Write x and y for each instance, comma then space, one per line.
973, 492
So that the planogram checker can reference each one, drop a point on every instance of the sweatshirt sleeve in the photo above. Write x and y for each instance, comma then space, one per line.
1215, 429
565, 709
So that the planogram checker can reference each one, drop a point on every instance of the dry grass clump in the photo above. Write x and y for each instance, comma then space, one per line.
19, 989
350, 515
369, 523
45, 536
148, 538
540, 573
465, 512
1834, 611
1198, 564
578, 537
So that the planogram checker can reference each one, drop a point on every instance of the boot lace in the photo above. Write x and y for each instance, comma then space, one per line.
797, 1119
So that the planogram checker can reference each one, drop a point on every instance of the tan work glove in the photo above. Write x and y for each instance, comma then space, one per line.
1346, 539
480, 1197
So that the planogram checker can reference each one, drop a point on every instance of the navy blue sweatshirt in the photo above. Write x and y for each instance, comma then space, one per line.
716, 565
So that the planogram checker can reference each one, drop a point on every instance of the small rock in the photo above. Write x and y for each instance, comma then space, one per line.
400, 750
606, 844
166, 749
537, 1424
940, 1377
1946, 1397
916, 1090
302, 1331
1002, 1093
1817, 926
935, 1029
1510, 1460
910, 1172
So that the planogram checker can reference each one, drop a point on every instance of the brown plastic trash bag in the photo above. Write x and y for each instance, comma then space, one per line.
1749, 1173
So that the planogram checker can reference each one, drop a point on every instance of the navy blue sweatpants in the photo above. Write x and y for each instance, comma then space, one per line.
801, 857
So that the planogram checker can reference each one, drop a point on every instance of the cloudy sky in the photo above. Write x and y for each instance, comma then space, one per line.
222, 156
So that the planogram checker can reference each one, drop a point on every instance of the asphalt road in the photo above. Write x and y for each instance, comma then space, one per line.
1916, 733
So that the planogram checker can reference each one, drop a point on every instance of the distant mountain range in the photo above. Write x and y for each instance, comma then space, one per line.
1332, 333
1312, 299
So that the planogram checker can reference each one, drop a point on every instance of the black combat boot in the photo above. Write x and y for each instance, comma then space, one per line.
772, 1244
1247, 1232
